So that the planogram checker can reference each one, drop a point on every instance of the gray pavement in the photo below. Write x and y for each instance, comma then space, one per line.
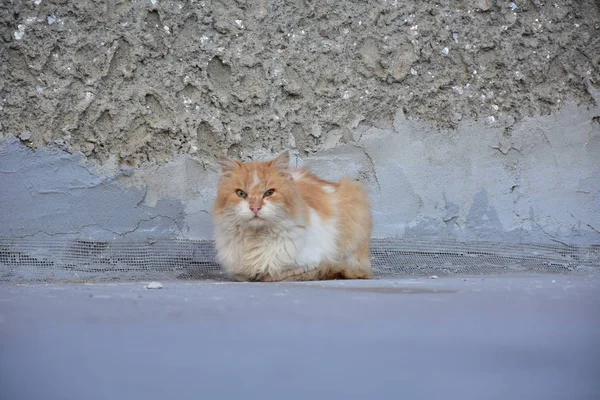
486, 337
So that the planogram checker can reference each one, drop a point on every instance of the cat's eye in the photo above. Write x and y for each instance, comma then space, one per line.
241, 193
269, 193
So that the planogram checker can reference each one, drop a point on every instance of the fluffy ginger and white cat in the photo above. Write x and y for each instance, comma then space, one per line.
277, 223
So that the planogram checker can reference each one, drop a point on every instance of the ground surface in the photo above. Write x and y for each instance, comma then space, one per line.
502, 337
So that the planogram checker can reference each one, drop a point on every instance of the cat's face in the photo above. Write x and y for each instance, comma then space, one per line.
256, 194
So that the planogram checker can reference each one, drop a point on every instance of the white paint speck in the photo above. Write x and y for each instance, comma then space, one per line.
20, 32
316, 130
457, 90
239, 23
154, 285
433, 277
445, 51
25, 136
51, 19
153, 1
512, 5
413, 72
167, 29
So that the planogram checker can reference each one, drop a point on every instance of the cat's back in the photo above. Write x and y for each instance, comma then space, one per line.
340, 222
317, 193
346, 200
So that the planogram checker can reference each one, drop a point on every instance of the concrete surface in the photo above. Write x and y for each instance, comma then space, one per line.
541, 185
493, 337
138, 81
469, 120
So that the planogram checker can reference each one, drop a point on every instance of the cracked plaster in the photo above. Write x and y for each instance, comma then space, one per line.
423, 181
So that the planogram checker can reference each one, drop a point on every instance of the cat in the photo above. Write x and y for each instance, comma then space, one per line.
277, 223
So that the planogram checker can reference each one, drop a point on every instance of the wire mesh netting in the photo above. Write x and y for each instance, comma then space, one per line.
45, 260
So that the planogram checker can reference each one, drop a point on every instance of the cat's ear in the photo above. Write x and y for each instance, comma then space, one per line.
227, 164
282, 162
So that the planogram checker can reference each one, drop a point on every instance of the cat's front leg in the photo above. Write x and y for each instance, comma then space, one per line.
326, 271
289, 274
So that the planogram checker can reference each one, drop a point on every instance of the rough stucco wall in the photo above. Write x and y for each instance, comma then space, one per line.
468, 118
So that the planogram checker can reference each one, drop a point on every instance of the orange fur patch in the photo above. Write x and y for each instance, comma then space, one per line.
243, 178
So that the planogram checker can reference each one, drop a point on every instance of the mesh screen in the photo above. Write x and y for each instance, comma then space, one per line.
45, 260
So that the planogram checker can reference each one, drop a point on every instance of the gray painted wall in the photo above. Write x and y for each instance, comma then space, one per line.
542, 184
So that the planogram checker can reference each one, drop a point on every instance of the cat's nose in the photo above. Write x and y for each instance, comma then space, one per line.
255, 210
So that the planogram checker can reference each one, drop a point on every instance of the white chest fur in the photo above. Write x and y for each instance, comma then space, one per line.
319, 242
254, 252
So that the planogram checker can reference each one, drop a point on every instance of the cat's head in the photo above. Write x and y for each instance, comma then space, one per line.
256, 194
